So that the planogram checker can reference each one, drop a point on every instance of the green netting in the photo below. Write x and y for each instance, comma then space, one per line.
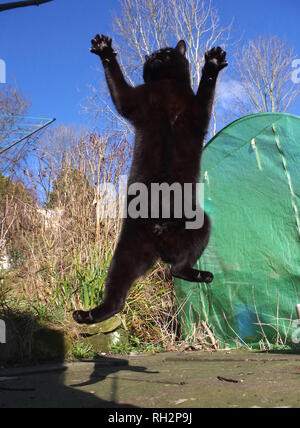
251, 175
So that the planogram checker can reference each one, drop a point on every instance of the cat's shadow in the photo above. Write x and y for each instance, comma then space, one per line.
56, 386
106, 367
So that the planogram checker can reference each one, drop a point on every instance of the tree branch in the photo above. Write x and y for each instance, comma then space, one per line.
15, 5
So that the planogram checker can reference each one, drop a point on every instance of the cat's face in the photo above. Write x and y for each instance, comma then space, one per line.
167, 63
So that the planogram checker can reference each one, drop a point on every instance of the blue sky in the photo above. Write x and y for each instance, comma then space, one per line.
46, 49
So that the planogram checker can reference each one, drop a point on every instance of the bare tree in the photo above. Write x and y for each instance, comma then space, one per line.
26, 3
265, 73
6, 222
147, 25
12, 106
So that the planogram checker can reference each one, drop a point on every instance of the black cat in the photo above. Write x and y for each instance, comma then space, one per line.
170, 126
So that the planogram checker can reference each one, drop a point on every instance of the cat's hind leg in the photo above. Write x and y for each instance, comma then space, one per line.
182, 249
134, 256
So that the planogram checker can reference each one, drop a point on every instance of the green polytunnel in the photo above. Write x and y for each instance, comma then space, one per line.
251, 176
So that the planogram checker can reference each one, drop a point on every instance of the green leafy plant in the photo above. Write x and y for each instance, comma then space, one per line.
137, 346
82, 351
90, 280
87, 284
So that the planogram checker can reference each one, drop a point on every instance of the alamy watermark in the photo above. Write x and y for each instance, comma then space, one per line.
296, 332
2, 71
296, 71
2, 332
296, 328
155, 201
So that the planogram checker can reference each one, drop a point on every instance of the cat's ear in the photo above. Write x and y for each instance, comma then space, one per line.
181, 47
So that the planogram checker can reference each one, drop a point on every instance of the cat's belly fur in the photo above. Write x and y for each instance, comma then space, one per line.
168, 145
168, 155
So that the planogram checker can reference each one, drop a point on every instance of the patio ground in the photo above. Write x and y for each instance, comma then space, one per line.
187, 380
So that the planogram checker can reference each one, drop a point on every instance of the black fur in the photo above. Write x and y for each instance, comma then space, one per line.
170, 123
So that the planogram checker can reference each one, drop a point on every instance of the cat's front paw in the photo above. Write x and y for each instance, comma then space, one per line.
101, 46
215, 60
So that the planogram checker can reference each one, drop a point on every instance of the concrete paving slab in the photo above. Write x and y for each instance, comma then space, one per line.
188, 380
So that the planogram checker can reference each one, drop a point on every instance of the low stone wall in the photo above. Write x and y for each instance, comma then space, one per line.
29, 341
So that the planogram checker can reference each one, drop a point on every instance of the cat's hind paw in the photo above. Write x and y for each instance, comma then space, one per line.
82, 317
206, 277
101, 313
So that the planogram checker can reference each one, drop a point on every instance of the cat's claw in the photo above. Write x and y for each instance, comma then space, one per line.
102, 46
215, 59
